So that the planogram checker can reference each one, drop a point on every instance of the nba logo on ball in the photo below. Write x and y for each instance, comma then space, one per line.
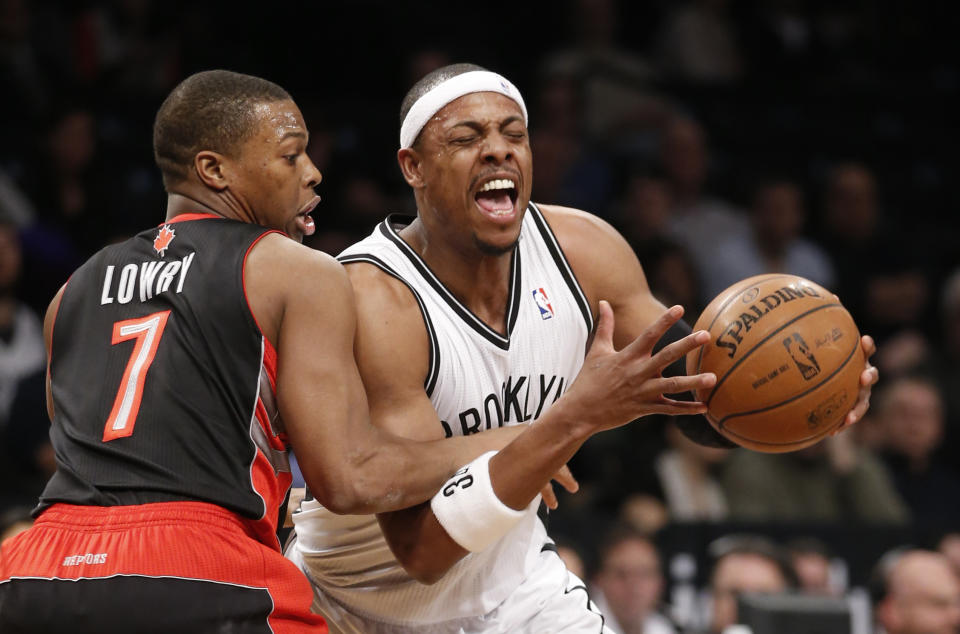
543, 303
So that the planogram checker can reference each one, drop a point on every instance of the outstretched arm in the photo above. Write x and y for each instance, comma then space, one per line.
612, 389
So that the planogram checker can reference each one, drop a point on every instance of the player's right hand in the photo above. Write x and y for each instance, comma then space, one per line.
616, 387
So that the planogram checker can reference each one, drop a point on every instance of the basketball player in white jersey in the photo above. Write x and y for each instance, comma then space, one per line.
474, 315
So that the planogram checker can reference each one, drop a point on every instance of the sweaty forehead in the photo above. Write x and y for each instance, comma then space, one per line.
480, 107
279, 119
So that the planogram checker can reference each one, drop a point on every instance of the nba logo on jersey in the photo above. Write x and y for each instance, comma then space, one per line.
164, 238
543, 303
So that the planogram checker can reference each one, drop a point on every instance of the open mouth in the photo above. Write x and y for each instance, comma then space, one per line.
304, 220
498, 197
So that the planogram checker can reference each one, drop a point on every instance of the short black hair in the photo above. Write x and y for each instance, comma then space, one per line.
430, 81
209, 110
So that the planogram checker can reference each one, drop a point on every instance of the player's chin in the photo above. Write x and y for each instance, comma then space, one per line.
496, 244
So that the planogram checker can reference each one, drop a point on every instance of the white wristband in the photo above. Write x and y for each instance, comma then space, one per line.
469, 510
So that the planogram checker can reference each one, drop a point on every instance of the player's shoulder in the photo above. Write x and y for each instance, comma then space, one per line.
378, 287
576, 226
286, 270
277, 249
587, 240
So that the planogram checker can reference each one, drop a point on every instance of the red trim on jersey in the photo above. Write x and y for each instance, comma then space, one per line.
266, 479
189, 540
270, 363
190, 216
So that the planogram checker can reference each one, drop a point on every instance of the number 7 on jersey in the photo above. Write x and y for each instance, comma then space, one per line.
147, 331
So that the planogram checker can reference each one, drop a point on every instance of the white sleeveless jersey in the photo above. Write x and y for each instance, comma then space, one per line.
478, 380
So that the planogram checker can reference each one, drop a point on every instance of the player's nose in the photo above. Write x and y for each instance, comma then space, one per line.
496, 148
312, 174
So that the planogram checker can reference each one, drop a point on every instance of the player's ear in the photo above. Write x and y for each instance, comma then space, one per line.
210, 169
411, 166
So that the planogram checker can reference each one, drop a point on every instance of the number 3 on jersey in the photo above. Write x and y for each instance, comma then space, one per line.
147, 331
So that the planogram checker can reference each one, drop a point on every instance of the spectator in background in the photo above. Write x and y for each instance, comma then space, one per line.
22, 365
743, 563
620, 106
697, 221
672, 276
831, 481
919, 594
775, 243
572, 556
892, 292
642, 212
810, 558
569, 169
27, 456
949, 547
22, 83
687, 475
629, 584
698, 43
15, 207
910, 413
14, 521
68, 189
946, 365
21, 335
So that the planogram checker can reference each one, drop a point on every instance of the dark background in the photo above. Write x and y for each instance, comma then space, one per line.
872, 82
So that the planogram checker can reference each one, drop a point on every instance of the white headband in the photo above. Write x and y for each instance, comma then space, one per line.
454, 88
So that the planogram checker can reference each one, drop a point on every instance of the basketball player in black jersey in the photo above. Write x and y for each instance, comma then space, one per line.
185, 361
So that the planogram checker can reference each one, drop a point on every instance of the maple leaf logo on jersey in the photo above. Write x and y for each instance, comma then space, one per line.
164, 237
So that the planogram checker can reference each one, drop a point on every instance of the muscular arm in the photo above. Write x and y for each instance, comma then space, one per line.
594, 249
304, 304
392, 355
392, 351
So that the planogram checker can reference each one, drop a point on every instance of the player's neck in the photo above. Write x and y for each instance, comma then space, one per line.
480, 281
179, 203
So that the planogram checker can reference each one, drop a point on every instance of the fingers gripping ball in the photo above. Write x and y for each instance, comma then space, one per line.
788, 360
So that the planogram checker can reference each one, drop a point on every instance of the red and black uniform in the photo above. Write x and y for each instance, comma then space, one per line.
171, 459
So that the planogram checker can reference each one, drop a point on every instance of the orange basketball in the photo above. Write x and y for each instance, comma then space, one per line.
788, 360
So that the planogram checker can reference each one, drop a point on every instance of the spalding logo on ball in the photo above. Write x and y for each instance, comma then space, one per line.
788, 360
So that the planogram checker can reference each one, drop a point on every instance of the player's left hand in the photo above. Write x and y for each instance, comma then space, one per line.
565, 479
868, 377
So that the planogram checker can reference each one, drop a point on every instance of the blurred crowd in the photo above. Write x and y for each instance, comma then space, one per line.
723, 138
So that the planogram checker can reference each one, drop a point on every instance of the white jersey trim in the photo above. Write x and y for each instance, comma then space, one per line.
557, 252
430, 381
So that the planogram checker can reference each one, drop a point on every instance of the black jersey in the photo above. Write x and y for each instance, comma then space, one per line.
163, 384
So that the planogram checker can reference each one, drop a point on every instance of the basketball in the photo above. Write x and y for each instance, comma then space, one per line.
788, 360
